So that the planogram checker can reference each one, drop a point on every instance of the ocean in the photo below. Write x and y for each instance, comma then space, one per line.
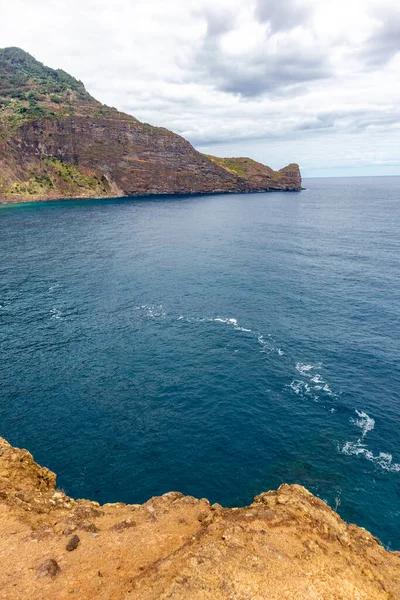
214, 345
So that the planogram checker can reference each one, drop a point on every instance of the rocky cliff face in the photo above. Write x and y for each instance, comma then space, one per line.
288, 545
58, 141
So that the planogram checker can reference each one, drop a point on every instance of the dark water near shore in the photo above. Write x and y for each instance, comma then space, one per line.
218, 346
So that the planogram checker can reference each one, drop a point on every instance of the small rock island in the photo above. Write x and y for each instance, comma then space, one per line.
57, 141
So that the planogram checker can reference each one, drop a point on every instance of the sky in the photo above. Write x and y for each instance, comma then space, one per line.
315, 82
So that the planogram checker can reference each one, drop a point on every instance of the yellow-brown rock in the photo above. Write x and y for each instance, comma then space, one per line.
287, 545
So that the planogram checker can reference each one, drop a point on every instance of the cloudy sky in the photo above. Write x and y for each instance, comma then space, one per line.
310, 81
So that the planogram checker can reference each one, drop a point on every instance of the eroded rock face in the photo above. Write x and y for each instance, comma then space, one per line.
58, 141
20, 475
288, 545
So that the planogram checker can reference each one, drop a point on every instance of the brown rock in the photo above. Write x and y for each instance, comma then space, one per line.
73, 543
88, 526
49, 568
124, 525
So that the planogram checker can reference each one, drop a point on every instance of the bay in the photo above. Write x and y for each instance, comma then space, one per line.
214, 345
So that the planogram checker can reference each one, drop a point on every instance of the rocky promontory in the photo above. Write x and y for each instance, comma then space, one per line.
287, 545
57, 141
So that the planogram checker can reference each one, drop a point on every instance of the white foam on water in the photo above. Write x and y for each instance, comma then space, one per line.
307, 370
302, 389
54, 287
304, 369
233, 322
328, 390
297, 386
266, 346
364, 422
383, 459
152, 311
158, 312
227, 321
193, 319
55, 313
359, 447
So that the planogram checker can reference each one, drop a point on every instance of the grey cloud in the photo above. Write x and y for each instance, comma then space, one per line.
218, 22
282, 15
316, 123
353, 121
263, 71
384, 43
268, 74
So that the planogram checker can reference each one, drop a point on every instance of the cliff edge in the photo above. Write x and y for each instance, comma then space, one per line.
57, 141
287, 545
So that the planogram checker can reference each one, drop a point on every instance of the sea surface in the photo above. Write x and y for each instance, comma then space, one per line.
214, 345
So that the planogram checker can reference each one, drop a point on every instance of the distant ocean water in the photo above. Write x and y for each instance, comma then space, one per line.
215, 345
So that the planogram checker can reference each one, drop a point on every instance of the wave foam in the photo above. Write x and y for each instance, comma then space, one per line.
359, 448
232, 322
304, 369
152, 311
266, 346
227, 321
383, 459
157, 312
365, 422
302, 388
320, 385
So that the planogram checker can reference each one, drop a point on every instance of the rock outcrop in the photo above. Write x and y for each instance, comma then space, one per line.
287, 545
57, 141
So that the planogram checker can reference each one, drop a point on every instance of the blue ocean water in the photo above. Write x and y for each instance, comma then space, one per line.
215, 345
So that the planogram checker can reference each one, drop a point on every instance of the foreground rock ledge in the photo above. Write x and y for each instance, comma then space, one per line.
288, 544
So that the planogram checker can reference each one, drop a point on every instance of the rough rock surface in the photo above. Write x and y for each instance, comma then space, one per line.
57, 141
287, 545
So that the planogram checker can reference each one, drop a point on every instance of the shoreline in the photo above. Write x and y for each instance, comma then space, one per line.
20, 201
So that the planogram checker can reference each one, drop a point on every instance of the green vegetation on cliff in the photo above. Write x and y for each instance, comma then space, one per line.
29, 90
55, 174
25, 78
246, 167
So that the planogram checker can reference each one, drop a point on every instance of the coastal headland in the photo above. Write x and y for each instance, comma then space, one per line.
287, 544
57, 141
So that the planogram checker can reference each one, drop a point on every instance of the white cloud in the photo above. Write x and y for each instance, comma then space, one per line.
312, 81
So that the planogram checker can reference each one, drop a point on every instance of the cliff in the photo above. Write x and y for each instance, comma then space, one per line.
287, 544
58, 141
